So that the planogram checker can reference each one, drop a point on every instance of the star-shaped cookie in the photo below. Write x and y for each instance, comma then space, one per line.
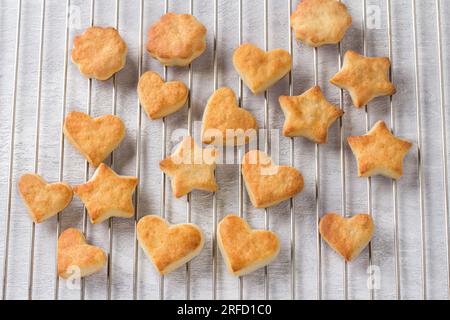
308, 115
379, 152
107, 195
99, 52
190, 167
176, 39
364, 78
319, 22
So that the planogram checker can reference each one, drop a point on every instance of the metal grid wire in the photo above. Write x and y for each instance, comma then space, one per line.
398, 268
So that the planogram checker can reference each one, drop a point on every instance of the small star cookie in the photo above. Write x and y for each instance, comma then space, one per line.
99, 52
319, 22
94, 138
77, 258
379, 152
365, 78
159, 99
347, 236
224, 122
43, 199
259, 69
190, 167
243, 249
169, 246
176, 39
107, 195
308, 115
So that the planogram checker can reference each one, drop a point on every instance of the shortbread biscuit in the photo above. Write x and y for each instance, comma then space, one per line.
76, 258
308, 115
94, 138
347, 236
320, 22
176, 39
224, 122
190, 167
266, 183
379, 152
259, 69
243, 249
107, 195
160, 99
169, 246
43, 199
99, 52
364, 78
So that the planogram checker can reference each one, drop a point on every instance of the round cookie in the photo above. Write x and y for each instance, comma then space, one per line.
99, 52
176, 39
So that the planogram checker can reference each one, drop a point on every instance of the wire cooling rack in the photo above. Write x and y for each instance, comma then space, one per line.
409, 255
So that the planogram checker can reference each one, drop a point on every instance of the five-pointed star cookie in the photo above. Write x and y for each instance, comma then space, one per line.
190, 167
365, 78
319, 22
308, 115
379, 152
107, 195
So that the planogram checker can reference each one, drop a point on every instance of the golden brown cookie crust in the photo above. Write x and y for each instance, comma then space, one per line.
99, 52
347, 236
320, 22
43, 200
222, 115
169, 246
243, 249
259, 69
176, 39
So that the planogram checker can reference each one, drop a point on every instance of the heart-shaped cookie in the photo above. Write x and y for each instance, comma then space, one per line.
159, 98
347, 236
76, 258
94, 138
168, 246
243, 249
224, 122
42, 199
266, 183
259, 69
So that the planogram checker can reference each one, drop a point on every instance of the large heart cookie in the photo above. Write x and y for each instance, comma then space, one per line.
160, 99
348, 236
244, 249
259, 69
42, 199
266, 183
76, 258
94, 138
224, 122
169, 246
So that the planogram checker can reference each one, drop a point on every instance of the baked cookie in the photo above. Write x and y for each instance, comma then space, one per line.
169, 246
159, 99
176, 39
224, 122
94, 138
266, 183
308, 115
99, 52
379, 152
364, 78
190, 167
259, 69
107, 195
76, 258
319, 22
43, 199
347, 236
243, 249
